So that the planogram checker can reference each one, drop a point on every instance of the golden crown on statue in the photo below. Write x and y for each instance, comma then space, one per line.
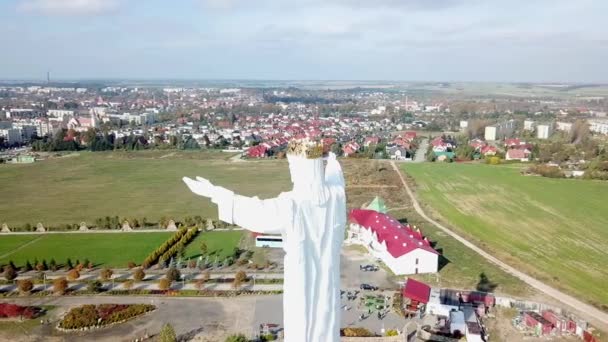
305, 148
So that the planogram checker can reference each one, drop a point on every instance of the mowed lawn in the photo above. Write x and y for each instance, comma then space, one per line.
10, 242
107, 249
554, 229
220, 244
136, 184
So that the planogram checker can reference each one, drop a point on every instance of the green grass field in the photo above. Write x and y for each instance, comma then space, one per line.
220, 244
10, 242
554, 229
137, 184
112, 250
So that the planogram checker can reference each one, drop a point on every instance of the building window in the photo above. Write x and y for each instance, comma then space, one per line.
416, 270
416, 261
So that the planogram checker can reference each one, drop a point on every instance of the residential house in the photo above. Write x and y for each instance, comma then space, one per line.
399, 153
350, 148
518, 154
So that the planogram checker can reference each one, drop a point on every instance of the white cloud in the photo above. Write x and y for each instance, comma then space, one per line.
68, 7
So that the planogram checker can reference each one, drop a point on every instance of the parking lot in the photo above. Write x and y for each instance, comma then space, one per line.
352, 276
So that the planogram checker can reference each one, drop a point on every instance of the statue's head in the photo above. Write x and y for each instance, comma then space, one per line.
305, 162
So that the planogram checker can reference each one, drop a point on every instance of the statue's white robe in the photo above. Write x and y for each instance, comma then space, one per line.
312, 232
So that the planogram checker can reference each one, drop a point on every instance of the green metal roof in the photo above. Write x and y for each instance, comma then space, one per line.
378, 205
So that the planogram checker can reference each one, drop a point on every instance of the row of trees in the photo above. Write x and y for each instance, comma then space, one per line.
52, 265
179, 246
160, 251
116, 222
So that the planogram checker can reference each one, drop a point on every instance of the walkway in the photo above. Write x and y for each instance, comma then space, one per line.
586, 311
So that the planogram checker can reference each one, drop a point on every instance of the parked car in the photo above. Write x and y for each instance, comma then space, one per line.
368, 287
372, 268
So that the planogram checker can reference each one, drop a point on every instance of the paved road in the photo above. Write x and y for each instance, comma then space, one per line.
586, 311
420, 155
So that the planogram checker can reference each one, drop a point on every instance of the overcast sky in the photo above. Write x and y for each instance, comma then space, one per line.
435, 40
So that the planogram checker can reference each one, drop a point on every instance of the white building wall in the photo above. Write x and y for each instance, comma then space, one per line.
490, 133
598, 126
529, 125
544, 131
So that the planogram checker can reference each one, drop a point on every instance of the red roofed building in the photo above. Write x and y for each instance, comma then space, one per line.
258, 151
402, 248
410, 135
517, 154
417, 291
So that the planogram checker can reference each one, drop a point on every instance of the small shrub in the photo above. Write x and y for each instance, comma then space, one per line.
139, 274
106, 274
199, 284
173, 274
167, 334
53, 265
128, 284
392, 332
94, 286
131, 265
60, 285
10, 273
73, 274
25, 285
236, 338
356, 332
164, 284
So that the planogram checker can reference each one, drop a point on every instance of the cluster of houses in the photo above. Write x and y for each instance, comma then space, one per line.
267, 136
443, 148
459, 313
514, 148
551, 323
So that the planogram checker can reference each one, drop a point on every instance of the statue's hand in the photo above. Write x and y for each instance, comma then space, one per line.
200, 186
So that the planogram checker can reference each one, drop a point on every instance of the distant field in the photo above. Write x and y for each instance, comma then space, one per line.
554, 229
137, 184
113, 250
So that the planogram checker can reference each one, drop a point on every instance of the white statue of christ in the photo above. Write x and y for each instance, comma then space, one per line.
311, 219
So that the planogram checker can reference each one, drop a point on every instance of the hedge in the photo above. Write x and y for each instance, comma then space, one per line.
88, 316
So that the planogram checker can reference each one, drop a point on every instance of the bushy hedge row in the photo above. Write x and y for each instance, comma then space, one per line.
181, 244
356, 332
153, 257
13, 310
87, 316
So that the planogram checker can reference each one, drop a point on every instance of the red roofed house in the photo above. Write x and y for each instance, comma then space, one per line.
417, 291
258, 151
488, 150
517, 154
350, 148
403, 249
371, 141
410, 135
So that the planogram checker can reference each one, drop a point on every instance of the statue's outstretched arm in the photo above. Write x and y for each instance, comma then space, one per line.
333, 172
252, 213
